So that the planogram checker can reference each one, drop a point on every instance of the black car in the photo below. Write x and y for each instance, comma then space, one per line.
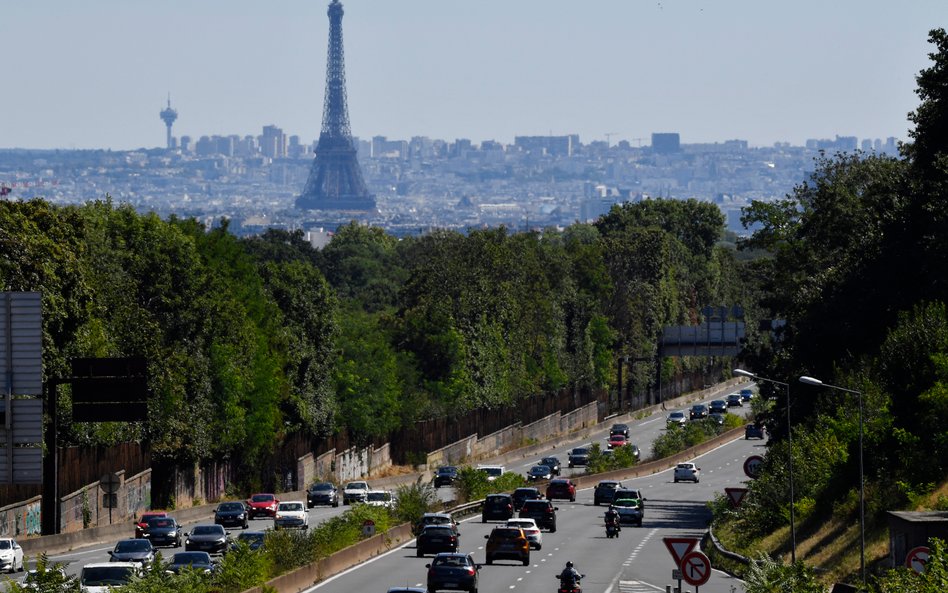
163, 531
523, 494
734, 400
541, 511
718, 406
716, 418
445, 476
754, 431
133, 550
322, 493
605, 492
440, 519
453, 571
206, 538
539, 472
622, 429
553, 463
199, 561
436, 538
497, 507
579, 456
699, 411
231, 514
253, 539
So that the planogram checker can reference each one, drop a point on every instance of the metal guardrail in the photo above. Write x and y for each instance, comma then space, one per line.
720, 549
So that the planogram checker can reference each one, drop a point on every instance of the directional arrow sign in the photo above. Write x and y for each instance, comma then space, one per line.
753, 465
735, 496
696, 568
917, 558
679, 547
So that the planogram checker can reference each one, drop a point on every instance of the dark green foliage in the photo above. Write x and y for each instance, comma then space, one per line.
473, 484
414, 500
904, 580
599, 462
49, 577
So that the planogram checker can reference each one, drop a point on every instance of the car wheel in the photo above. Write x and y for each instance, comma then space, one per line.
595, 502
335, 503
22, 568
539, 546
553, 528
572, 499
526, 561
483, 520
490, 560
419, 553
676, 480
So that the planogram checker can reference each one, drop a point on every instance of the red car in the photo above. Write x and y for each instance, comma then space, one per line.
262, 505
561, 488
143, 522
617, 440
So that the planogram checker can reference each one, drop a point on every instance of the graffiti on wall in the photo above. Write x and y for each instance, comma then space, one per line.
21, 520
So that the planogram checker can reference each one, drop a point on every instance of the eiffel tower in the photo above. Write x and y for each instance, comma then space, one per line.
335, 179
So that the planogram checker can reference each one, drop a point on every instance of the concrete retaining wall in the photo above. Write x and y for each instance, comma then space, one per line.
21, 519
453, 454
380, 459
497, 441
583, 417
542, 429
86, 508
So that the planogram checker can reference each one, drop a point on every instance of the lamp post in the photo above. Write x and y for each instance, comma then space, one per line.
862, 479
786, 386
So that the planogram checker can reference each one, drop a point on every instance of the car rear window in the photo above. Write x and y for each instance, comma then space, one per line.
438, 530
535, 504
506, 533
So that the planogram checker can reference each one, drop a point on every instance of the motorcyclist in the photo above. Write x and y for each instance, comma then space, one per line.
570, 575
612, 517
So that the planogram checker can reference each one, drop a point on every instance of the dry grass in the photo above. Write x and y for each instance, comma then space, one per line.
394, 470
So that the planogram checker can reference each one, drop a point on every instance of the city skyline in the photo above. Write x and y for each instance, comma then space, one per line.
99, 73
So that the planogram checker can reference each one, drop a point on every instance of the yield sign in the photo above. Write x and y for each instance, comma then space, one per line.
917, 558
735, 496
696, 568
679, 547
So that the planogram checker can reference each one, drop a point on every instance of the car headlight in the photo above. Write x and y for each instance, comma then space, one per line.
240, 516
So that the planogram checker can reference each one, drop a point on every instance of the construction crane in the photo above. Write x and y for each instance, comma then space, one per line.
609, 136
638, 141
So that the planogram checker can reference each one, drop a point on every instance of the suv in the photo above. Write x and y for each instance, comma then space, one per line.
605, 491
445, 476
622, 429
493, 471
579, 456
453, 571
523, 494
561, 488
541, 511
687, 471
435, 539
718, 406
355, 492
754, 431
497, 507
508, 543
553, 463
322, 493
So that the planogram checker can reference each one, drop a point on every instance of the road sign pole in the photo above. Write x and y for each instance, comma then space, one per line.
49, 507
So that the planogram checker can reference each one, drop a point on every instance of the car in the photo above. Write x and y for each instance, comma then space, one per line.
688, 472
716, 418
407, 590
440, 519
676, 419
622, 429
133, 550
561, 488
453, 571
355, 492
206, 538
635, 451
104, 577
717, 406
262, 505
539, 472
605, 491
54, 579
497, 507
436, 538
380, 498
630, 510
617, 440
734, 400
541, 511
747, 394
291, 513
578, 456
754, 431
445, 475
522, 494
253, 539
198, 561
163, 531
698, 411
11, 555
142, 522
322, 493
493, 471
231, 514
632, 493
553, 463
507, 543
530, 529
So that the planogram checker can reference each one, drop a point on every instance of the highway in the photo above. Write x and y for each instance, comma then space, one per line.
643, 432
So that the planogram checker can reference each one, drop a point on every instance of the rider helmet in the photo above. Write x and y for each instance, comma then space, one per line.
569, 564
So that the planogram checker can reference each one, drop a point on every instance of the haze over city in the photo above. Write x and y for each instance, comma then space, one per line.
95, 75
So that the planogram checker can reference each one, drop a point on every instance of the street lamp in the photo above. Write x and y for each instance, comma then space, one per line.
793, 529
862, 480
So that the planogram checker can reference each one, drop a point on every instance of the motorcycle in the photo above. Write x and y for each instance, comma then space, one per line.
612, 530
570, 585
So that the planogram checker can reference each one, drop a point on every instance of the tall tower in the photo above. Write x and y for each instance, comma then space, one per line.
335, 179
168, 115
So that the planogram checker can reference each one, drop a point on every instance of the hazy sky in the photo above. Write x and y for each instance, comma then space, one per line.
95, 74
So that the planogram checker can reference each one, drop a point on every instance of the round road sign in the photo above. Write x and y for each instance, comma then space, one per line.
753, 466
368, 528
110, 483
917, 558
696, 568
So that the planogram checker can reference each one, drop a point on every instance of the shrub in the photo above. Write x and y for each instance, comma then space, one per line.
414, 500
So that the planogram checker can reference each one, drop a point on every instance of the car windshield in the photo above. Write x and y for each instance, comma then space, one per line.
231, 506
291, 506
540, 469
250, 537
626, 502
379, 496
101, 576
190, 558
5, 544
160, 522
357, 486
261, 498
580, 451
492, 471
676, 415
208, 530
450, 561
133, 545
549, 461
447, 470
323, 486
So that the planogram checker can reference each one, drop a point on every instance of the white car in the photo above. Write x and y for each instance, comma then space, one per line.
676, 418
380, 498
688, 472
493, 471
291, 513
530, 529
11, 555
104, 577
355, 492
